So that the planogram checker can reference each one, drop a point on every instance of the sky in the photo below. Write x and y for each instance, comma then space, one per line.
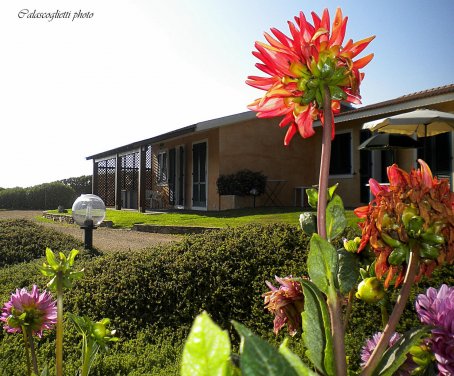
110, 72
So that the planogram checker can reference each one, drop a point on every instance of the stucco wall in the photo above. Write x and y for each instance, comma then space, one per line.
258, 145
211, 138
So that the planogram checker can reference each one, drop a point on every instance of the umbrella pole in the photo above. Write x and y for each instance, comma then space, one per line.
425, 142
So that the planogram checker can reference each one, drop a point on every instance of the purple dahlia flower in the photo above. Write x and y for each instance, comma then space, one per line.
404, 370
35, 311
436, 308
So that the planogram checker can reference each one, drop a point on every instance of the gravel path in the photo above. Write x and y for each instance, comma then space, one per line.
105, 239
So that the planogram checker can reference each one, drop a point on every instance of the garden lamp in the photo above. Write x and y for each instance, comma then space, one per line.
88, 212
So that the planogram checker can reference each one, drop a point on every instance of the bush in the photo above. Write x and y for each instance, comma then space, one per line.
221, 272
80, 184
50, 196
38, 197
22, 241
13, 198
153, 295
241, 183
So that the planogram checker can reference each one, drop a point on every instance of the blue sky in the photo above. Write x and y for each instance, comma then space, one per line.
139, 68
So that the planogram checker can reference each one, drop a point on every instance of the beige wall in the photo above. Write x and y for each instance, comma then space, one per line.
257, 145
211, 138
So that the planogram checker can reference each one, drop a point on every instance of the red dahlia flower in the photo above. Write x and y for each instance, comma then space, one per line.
301, 66
286, 303
415, 212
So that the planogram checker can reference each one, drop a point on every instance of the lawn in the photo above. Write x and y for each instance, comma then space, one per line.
228, 218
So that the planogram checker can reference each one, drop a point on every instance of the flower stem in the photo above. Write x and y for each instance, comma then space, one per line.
334, 300
27, 350
33, 352
348, 311
59, 341
337, 331
395, 315
324, 164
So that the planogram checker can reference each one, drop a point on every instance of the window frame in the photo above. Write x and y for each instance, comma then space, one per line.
351, 172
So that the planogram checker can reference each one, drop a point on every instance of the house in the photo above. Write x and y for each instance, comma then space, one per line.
179, 169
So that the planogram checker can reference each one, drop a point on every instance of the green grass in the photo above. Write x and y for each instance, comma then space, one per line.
228, 218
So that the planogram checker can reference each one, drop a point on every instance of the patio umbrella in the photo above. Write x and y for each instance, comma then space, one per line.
422, 123
388, 141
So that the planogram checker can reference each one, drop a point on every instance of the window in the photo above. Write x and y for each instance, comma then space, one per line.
162, 167
341, 154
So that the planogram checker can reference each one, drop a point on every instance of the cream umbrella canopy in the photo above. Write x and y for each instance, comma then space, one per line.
422, 123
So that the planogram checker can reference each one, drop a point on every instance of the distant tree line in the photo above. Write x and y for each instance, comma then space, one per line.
45, 196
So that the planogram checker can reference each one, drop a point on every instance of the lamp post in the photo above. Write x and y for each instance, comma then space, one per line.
88, 212
254, 192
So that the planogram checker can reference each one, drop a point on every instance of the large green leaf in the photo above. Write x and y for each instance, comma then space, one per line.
207, 349
348, 272
259, 358
396, 355
336, 221
317, 329
295, 361
322, 263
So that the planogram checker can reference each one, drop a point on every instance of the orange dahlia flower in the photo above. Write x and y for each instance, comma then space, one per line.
415, 212
301, 66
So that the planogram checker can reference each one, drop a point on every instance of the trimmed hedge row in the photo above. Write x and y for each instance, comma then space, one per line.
38, 197
23, 241
152, 296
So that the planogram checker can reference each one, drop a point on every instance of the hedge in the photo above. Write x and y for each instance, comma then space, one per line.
38, 197
22, 241
153, 295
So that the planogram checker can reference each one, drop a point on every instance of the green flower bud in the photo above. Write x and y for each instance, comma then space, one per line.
351, 245
370, 290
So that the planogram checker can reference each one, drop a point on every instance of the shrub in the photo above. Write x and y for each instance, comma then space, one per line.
153, 295
38, 197
50, 196
22, 241
241, 183
13, 198
81, 184
222, 272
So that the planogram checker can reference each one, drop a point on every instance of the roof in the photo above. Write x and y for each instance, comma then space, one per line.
371, 112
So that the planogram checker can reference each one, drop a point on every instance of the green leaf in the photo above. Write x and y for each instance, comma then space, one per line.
348, 272
331, 191
259, 358
396, 355
336, 221
322, 262
207, 349
50, 257
72, 256
45, 371
308, 222
312, 197
317, 329
295, 361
